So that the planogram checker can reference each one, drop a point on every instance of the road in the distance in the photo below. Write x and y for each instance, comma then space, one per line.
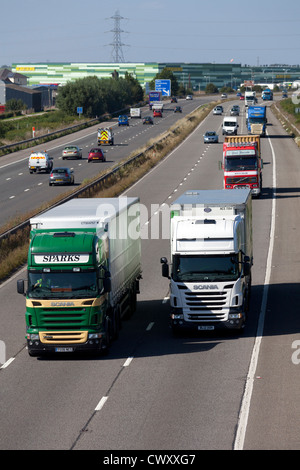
21, 192
154, 391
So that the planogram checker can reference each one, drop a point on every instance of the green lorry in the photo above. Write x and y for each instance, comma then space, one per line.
84, 267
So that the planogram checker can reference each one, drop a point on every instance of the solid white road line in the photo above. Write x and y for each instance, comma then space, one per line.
245, 407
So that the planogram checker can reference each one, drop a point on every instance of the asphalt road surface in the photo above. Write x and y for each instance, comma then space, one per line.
153, 390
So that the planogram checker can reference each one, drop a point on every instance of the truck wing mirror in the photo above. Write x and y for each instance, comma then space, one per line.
164, 267
107, 282
20, 286
247, 269
220, 165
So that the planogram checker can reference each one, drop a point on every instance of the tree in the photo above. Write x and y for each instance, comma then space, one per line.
15, 105
166, 74
137, 93
211, 88
85, 93
98, 96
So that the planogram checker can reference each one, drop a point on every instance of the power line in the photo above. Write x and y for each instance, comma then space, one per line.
117, 51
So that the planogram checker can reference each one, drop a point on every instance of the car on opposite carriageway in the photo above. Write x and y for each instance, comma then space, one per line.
96, 154
147, 120
61, 176
72, 151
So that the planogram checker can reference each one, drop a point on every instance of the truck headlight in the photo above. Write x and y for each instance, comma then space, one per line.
95, 335
32, 337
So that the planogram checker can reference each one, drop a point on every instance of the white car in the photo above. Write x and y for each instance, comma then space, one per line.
223, 95
218, 110
189, 97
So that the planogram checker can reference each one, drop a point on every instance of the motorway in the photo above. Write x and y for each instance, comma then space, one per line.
155, 391
21, 191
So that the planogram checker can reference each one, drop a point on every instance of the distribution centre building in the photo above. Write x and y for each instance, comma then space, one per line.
193, 75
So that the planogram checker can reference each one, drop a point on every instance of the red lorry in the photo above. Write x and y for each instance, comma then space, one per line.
242, 163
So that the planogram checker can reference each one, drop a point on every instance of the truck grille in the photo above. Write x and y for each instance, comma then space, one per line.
66, 318
206, 306
63, 337
242, 180
256, 128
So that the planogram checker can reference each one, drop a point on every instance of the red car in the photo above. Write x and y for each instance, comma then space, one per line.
157, 113
242, 97
96, 154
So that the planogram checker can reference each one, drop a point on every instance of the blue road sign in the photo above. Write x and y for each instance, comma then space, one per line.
79, 110
164, 86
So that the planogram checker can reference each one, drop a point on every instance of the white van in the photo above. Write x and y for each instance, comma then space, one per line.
40, 161
135, 113
230, 125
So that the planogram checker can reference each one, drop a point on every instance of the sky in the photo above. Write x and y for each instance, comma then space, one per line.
260, 32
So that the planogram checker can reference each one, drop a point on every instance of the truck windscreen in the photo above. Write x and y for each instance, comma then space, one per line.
58, 285
205, 268
240, 163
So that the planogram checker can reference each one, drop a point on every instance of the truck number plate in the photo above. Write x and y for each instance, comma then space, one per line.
205, 328
64, 349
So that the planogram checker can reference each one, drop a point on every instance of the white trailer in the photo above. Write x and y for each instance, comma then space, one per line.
211, 259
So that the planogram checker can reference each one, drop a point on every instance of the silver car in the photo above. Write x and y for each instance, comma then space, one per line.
218, 110
61, 176
71, 151
211, 137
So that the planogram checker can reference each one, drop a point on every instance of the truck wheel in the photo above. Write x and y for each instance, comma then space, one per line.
116, 323
107, 344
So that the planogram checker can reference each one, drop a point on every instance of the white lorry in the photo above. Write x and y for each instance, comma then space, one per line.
158, 106
135, 113
84, 266
230, 125
250, 98
211, 259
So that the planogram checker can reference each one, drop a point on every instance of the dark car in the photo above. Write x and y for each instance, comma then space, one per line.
96, 154
72, 151
173, 99
177, 109
61, 176
234, 111
147, 120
